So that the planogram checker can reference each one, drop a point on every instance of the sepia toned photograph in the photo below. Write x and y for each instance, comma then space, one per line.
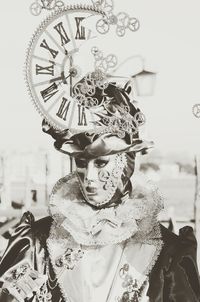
100, 151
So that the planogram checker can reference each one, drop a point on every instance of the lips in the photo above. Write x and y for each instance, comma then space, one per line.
91, 190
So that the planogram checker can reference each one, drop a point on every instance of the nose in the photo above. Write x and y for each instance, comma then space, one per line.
91, 173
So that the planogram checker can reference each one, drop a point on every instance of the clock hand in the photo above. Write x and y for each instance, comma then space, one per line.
72, 73
62, 77
56, 79
71, 82
71, 52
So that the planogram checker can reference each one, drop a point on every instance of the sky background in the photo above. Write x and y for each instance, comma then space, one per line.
169, 39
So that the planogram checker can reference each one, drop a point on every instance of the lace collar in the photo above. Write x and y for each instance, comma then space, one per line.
135, 217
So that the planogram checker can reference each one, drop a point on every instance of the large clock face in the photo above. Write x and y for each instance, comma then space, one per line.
51, 69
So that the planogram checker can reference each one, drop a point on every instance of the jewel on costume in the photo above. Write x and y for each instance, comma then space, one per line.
132, 290
69, 259
19, 272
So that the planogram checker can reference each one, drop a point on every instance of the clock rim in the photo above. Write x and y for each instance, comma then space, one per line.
36, 35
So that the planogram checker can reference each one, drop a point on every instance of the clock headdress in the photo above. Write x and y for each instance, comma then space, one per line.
98, 114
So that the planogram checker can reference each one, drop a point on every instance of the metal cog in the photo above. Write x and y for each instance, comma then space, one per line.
33, 41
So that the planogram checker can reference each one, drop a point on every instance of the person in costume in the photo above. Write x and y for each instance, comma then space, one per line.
102, 241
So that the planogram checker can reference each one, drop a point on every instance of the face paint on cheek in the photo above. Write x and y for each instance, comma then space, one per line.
109, 183
111, 180
104, 177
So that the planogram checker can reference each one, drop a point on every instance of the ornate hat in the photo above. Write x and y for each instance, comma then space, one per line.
116, 127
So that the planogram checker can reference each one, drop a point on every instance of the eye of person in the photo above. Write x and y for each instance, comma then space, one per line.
81, 163
100, 163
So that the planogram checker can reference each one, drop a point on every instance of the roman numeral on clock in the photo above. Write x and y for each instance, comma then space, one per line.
81, 116
44, 70
53, 52
63, 109
63, 35
80, 32
49, 92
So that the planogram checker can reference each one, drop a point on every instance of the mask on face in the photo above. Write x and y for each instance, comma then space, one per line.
99, 178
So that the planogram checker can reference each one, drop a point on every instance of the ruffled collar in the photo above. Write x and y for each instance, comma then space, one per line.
135, 217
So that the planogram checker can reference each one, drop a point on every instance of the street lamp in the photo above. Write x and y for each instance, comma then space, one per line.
145, 83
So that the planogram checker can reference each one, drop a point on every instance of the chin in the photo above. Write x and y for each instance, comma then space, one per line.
95, 202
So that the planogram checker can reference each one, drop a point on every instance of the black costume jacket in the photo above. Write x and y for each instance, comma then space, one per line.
174, 277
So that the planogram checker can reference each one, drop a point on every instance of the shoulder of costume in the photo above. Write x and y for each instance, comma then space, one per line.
184, 244
23, 240
178, 260
29, 224
169, 238
178, 250
42, 225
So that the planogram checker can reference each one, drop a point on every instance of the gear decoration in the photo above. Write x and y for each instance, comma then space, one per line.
84, 92
122, 124
37, 6
196, 110
103, 63
122, 20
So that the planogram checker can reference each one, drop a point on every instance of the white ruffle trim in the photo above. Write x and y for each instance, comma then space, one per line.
88, 226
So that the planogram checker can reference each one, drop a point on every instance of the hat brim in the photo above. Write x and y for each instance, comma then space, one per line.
104, 145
